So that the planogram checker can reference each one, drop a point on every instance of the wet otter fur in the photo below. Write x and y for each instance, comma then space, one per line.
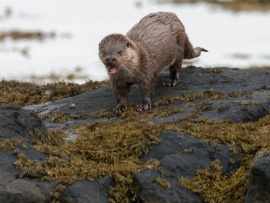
157, 42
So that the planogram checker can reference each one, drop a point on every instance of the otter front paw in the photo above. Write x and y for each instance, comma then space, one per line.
143, 107
171, 82
120, 108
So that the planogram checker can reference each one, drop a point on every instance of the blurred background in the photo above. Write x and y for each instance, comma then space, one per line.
45, 41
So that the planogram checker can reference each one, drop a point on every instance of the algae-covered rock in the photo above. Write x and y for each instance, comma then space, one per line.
18, 129
179, 155
198, 143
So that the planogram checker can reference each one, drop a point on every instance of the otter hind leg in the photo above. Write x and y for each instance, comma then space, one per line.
174, 75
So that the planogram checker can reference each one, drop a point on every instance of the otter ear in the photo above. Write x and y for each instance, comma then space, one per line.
127, 44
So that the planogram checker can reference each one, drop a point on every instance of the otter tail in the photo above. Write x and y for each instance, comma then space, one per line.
190, 52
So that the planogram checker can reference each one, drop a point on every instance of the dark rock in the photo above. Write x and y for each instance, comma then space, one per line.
21, 123
23, 190
259, 182
7, 171
151, 191
87, 191
172, 143
252, 108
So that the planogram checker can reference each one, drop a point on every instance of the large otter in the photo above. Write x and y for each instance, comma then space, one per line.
157, 42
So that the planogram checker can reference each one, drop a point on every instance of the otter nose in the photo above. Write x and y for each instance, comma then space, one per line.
110, 59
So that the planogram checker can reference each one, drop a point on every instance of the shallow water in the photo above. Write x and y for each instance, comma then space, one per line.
233, 39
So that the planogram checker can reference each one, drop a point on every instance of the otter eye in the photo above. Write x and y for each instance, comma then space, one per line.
127, 44
119, 52
102, 52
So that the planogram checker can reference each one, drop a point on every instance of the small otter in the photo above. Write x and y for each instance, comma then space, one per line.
157, 42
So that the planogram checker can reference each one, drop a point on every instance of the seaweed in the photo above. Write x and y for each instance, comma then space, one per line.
24, 93
104, 113
101, 149
193, 96
189, 150
162, 182
9, 144
22, 35
213, 70
63, 117
214, 187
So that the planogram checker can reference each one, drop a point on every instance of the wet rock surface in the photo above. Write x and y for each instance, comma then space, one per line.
80, 191
259, 181
179, 154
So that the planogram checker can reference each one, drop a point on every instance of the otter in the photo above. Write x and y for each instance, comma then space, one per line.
157, 42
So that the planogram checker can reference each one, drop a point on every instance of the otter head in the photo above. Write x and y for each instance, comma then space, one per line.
115, 52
